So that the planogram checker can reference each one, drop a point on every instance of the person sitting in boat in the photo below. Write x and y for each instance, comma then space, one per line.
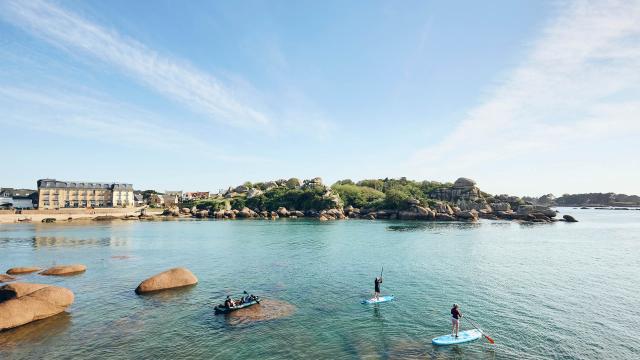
229, 303
376, 285
245, 297
456, 315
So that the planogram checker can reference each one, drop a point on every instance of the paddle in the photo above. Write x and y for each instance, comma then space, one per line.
478, 328
381, 270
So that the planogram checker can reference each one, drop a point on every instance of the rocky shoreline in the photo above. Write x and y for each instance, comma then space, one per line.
463, 201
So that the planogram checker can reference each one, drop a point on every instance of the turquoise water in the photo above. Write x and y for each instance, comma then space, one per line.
564, 291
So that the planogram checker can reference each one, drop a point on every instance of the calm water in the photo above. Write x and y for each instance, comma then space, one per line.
565, 291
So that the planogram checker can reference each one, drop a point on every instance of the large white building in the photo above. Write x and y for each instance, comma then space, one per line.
56, 194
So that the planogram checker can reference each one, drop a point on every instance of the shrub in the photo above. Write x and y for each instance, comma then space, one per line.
359, 196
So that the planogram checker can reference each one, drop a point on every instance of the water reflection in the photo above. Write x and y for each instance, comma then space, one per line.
35, 332
55, 241
169, 295
434, 226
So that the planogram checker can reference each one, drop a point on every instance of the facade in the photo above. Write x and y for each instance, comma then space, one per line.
56, 194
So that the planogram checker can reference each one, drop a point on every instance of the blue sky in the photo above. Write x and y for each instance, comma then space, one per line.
526, 97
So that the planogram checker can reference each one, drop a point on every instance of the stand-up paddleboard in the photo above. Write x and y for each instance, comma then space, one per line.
463, 337
381, 299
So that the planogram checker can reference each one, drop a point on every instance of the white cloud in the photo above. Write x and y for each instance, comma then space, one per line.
173, 78
65, 112
580, 83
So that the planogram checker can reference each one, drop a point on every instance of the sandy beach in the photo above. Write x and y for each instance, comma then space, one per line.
75, 214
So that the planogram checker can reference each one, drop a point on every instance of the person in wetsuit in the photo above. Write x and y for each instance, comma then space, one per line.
456, 315
376, 287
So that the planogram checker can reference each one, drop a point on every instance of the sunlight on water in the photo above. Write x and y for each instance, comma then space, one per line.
549, 290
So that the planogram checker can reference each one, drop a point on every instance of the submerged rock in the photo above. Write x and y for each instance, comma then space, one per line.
170, 279
569, 218
266, 310
22, 270
64, 270
25, 303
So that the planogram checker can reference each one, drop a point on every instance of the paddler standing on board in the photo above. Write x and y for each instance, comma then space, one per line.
376, 286
456, 315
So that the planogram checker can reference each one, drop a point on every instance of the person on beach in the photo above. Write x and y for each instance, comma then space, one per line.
456, 315
376, 286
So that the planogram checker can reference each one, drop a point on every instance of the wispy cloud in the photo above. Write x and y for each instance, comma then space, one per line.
173, 78
580, 81
65, 112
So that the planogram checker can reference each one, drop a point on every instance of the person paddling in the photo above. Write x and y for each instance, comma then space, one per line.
376, 285
456, 315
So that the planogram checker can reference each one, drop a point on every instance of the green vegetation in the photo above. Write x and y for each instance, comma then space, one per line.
386, 193
358, 196
292, 199
369, 194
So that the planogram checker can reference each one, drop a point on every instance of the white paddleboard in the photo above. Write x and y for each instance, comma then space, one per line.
463, 337
380, 299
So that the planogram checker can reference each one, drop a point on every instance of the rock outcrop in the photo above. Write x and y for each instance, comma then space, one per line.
569, 218
6, 278
23, 270
464, 193
23, 303
65, 270
170, 279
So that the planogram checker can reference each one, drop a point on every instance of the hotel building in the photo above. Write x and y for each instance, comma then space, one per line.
56, 194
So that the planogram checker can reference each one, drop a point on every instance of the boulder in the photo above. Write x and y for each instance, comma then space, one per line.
501, 206
296, 213
170, 279
25, 304
6, 278
202, 214
186, 210
246, 213
324, 217
525, 209
64, 270
336, 213
444, 217
253, 192
569, 218
23, 270
467, 215
18, 289
282, 211
463, 183
48, 220
413, 202
241, 189
443, 208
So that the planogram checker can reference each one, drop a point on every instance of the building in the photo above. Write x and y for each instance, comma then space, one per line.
139, 199
20, 199
195, 195
56, 194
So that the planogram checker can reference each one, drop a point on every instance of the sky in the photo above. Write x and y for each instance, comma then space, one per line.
525, 97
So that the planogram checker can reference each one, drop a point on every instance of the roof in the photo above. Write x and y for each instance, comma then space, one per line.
58, 184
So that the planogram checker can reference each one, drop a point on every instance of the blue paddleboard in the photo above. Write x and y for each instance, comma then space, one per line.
381, 299
463, 337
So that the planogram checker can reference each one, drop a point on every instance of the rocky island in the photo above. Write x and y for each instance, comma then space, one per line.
371, 199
